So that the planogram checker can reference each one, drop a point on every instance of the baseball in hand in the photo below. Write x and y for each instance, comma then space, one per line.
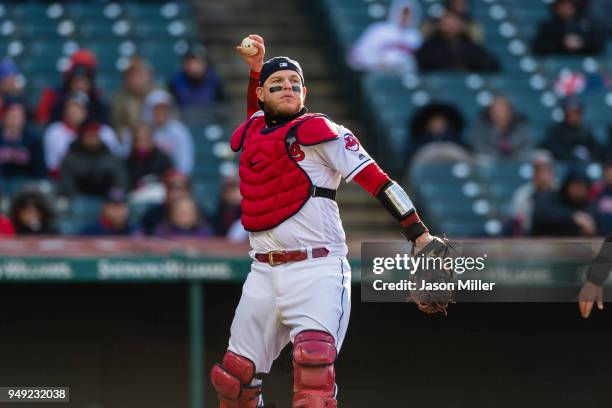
248, 47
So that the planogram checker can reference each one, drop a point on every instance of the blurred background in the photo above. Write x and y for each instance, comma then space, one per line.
115, 118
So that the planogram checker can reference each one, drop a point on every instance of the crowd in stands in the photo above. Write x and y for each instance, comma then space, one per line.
557, 205
116, 146
501, 132
125, 145
452, 41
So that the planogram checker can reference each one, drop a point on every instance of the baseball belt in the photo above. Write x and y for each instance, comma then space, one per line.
274, 258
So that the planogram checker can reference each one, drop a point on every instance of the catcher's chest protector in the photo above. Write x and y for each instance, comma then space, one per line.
273, 186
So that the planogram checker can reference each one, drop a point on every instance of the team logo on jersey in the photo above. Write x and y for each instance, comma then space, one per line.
351, 142
296, 153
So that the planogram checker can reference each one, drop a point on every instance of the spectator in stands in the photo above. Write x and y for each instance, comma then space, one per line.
228, 209
600, 13
389, 46
146, 162
31, 214
501, 132
10, 87
80, 76
566, 32
603, 202
127, 104
176, 185
542, 182
6, 227
20, 149
463, 9
59, 135
435, 123
197, 85
572, 139
437, 129
451, 48
89, 167
184, 219
113, 219
567, 212
171, 135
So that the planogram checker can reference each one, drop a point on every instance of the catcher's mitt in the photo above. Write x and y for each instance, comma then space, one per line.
432, 294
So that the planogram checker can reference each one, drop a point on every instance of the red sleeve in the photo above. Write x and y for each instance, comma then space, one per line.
252, 105
47, 100
371, 178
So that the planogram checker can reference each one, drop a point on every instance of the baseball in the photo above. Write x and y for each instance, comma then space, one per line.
248, 47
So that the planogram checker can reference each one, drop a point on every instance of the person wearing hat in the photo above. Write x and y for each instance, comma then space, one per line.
567, 212
170, 134
21, 153
114, 217
9, 84
79, 77
60, 134
298, 289
571, 139
389, 46
197, 85
89, 167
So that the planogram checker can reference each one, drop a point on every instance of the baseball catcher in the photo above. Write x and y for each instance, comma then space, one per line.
298, 290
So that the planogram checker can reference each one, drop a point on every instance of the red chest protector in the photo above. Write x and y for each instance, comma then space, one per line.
273, 186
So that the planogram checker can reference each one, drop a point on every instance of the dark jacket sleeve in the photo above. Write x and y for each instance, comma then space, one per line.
551, 218
553, 145
549, 39
479, 59
119, 173
67, 181
594, 39
431, 55
38, 167
602, 264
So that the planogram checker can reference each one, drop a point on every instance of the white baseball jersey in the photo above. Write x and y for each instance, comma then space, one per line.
278, 302
318, 222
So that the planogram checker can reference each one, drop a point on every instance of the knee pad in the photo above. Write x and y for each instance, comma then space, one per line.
314, 354
232, 380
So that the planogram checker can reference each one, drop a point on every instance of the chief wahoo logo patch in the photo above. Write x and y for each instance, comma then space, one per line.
351, 142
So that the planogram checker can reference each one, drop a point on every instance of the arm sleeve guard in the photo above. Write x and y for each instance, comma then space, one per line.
393, 197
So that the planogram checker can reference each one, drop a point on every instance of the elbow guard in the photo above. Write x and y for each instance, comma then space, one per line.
393, 197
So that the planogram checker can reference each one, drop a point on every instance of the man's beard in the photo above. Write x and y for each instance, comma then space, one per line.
276, 117
281, 112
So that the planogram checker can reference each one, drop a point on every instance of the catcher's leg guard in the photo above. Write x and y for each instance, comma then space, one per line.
232, 381
314, 378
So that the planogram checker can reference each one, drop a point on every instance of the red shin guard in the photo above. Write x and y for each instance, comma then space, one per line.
231, 381
314, 380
